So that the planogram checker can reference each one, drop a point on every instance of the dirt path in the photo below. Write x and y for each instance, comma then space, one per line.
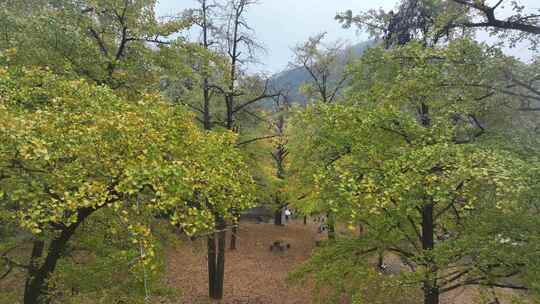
253, 274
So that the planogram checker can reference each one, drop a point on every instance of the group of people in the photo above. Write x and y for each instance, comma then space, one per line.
321, 219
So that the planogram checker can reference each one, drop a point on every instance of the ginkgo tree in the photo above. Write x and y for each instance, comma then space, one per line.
122, 44
71, 149
411, 158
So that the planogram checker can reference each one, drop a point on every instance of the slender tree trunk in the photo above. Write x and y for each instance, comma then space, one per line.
220, 263
233, 235
207, 124
278, 217
216, 260
206, 105
211, 239
380, 261
211, 250
331, 222
305, 219
431, 290
431, 293
229, 105
206, 84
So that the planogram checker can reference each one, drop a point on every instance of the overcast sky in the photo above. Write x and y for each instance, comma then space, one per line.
280, 24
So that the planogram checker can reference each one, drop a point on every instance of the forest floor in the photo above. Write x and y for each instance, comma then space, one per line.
255, 275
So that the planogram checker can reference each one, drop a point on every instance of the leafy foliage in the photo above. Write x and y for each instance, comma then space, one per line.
108, 42
343, 269
409, 155
71, 148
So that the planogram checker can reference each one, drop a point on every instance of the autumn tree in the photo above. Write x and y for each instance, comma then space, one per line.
325, 63
72, 149
117, 43
240, 91
279, 153
437, 22
203, 18
434, 21
210, 63
413, 157
223, 96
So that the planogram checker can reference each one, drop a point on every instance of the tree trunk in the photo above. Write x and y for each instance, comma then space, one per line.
211, 250
36, 282
305, 219
380, 261
220, 273
331, 222
206, 105
216, 260
233, 236
37, 251
431, 293
277, 217
229, 102
431, 290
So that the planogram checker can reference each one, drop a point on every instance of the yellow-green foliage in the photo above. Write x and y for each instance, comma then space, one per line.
412, 133
69, 146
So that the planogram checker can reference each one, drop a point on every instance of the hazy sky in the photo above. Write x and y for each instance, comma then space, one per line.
280, 24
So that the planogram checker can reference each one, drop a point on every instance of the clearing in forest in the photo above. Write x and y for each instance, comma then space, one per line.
253, 274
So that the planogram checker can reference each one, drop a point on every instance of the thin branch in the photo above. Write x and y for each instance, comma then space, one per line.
254, 100
152, 40
255, 139
11, 262
194, 107
402, 134
99, 41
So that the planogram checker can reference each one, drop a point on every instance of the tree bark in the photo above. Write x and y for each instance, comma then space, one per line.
331, 222
220, 265
213, 273
233, 236
216, 260
277, 217
431, 290
380, 261
37, 251
211, 250
431, 293
206, 83
36, 282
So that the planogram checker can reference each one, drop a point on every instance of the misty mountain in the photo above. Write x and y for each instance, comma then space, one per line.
291, 80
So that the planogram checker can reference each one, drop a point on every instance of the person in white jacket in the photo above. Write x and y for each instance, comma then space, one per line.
287, 215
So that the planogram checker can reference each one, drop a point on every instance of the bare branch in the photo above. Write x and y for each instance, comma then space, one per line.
255, 139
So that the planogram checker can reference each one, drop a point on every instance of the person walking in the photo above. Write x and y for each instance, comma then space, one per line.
287, 215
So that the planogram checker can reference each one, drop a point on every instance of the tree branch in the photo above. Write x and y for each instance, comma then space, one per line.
255, 139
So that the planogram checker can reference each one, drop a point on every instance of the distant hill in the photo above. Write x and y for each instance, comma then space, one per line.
292, 79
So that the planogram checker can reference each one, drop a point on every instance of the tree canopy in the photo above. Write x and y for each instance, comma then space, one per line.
410, 157
71, 148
